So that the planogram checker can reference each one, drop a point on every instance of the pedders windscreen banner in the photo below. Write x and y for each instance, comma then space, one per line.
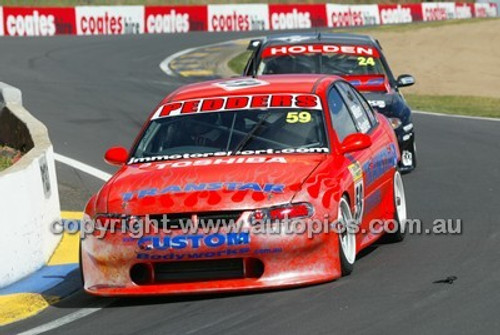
109, 20
238, 17
33, 21
175, 19
282, 17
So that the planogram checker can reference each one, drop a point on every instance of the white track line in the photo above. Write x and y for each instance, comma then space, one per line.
82, 167
456, 116
66, 319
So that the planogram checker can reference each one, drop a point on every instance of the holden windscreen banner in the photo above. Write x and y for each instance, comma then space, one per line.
34, 21
109, 20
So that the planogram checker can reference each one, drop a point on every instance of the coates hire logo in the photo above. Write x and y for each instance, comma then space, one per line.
38, 21
297, 16
349, 16
238, 17
181, 19
392, 14
109, 20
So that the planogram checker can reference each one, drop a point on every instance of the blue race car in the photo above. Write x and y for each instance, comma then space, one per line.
356, 58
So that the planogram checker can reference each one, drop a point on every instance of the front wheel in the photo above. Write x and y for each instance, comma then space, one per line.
400, 214
347, 238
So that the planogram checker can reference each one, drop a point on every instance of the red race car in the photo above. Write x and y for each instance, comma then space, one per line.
244, 184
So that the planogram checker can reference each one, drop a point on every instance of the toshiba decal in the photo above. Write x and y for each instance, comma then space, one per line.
33, 21
238, 17
349, 16
175, 19
109, 20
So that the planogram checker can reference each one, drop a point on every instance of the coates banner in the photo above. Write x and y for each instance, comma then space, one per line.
395, 14
238, 17
33, 21
436, 11
485, 9
109, 20
350, 16
1, 21
175, 19
296, 16
464, 10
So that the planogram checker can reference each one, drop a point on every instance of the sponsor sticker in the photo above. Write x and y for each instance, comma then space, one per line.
109, 20
193, 241
359, 50
238, 84
232, 103
236, 17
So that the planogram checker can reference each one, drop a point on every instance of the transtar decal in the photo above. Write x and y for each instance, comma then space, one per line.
193, 187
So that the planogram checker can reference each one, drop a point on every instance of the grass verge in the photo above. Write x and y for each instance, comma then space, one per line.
451, 104
5, 163
237, 64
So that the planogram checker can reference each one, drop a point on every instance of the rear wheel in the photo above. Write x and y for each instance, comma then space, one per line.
347, 238
400, 215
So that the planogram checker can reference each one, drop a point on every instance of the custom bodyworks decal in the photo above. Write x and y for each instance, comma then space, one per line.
197, 187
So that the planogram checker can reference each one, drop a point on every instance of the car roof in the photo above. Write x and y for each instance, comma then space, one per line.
302, 83
301, 38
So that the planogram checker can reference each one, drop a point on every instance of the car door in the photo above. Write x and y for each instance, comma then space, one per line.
344, 124
374, 170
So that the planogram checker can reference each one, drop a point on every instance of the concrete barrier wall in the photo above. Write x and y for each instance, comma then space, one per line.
29, 198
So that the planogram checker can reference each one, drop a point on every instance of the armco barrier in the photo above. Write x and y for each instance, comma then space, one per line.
29, 199
118, 20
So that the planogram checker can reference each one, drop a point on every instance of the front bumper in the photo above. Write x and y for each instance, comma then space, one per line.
269, 261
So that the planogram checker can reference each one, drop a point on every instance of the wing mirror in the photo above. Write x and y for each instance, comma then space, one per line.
116, 156
355, 142
405, 80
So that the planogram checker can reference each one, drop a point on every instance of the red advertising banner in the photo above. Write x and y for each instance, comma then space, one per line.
175, 19
395, 14
34, 21
296, 16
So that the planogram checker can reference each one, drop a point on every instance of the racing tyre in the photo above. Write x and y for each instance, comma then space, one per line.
347, 238
399, 211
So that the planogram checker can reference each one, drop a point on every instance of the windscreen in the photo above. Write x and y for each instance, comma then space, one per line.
320, 58
250, 131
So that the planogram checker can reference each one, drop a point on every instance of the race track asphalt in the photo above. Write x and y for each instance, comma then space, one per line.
94, 92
